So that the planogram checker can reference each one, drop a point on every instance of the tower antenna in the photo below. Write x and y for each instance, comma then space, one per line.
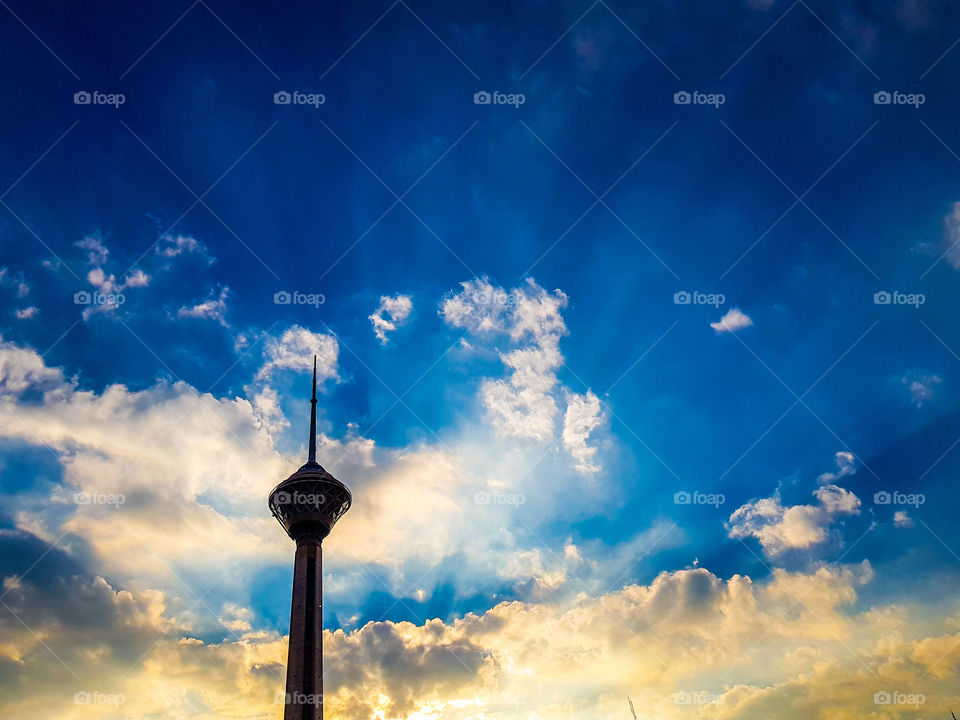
312, 457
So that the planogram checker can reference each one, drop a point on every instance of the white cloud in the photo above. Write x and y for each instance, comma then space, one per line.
902, 519
96, 251
210, 309
921, 387
15, 282
733, 320
295, 350
398, 309
523, 405
170, 246
266, 408
111, 292
26, 313
584, 415
796, 527
526, 403
846, 465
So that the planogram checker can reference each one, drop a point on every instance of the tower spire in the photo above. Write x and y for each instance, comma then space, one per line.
313, 416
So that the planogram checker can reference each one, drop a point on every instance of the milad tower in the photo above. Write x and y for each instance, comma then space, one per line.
308, 504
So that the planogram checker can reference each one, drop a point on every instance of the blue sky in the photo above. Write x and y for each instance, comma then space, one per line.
524, 263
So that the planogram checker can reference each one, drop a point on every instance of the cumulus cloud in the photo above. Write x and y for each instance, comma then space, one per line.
295, 349
796, 527
902, 519
526, 404
732, 321
777, 648
108, 292
26, 313
582, 417
110, 602
214, 308
391, 313
846, 465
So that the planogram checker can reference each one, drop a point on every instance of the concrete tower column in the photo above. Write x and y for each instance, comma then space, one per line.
305, 655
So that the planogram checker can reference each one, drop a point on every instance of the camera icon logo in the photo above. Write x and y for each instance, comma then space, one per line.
81, 498
81, 298
281, 98
881, 298
481, 98
881, 98
681, 98
281, 298
283, 498
882, 698
82, 98
681, 298
881, 498
681, 498
482, 498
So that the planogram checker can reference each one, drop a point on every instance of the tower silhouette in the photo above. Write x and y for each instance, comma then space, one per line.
308, 504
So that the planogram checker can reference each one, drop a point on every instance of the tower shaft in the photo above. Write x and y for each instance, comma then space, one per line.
304, 697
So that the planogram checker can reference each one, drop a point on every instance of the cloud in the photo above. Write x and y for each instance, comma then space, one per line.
295, 350
786, 640
950, 245
733, 320
96, 251
526, 403
902, 519
920, 386
210, 309
582, 417
26, 313
16, 282
846, 465
797, 527
108, 294
171, 246
116, 600
398, 309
